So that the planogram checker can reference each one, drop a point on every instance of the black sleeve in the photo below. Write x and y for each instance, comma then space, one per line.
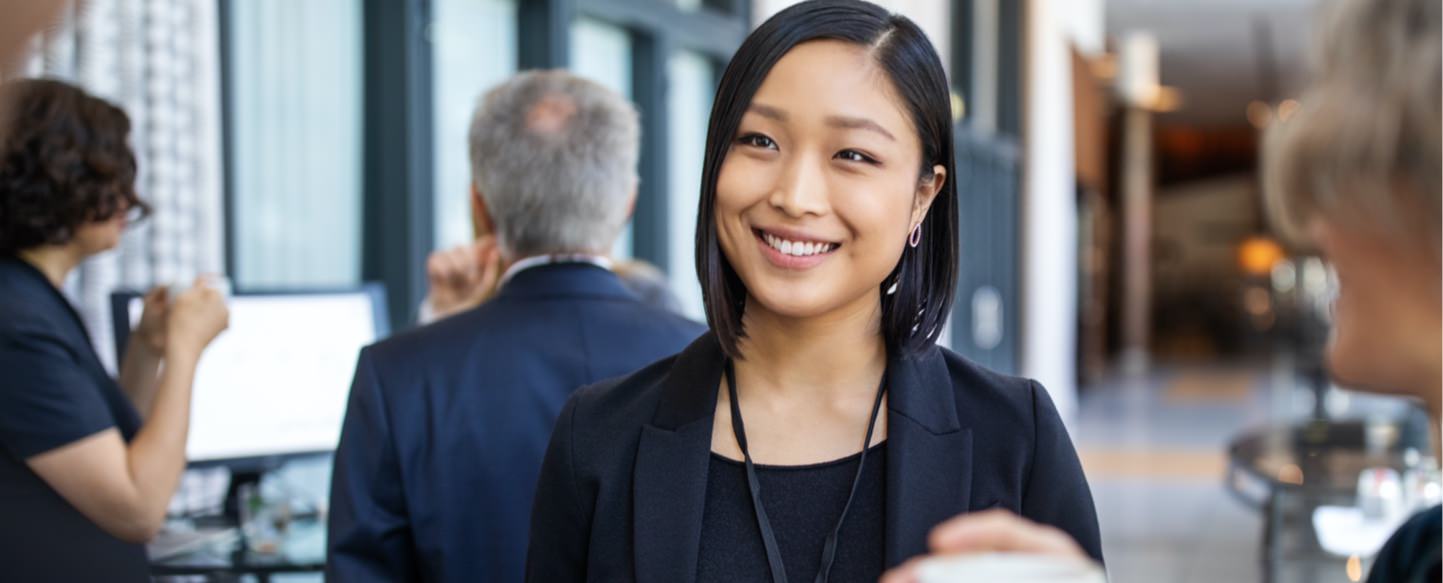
1412, 553
560, 526
369, 528
1056, 491
46, 398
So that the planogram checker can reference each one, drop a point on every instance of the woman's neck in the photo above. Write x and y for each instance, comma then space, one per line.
54, 261
835, 354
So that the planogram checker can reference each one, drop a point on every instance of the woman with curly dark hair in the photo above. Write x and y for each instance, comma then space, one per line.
87, 464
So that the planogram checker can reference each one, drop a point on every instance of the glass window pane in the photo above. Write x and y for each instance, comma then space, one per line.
602, 52
691, 85
295, 118
473, 47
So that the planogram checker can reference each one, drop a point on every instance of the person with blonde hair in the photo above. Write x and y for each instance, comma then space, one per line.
1354, 174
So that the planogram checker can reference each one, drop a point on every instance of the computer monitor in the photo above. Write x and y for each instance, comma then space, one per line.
276, 382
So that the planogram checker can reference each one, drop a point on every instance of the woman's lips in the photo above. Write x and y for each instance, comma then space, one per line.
791, 252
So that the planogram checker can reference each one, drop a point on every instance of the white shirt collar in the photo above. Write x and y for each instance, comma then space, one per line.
540, 260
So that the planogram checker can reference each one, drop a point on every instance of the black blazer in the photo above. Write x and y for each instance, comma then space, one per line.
447, 424
623, 485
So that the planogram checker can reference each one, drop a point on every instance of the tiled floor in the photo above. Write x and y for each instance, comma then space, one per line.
1153, 446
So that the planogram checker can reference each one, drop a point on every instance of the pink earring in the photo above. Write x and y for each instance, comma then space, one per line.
915, 237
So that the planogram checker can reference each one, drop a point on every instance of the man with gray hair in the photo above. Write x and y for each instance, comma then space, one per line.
447, 424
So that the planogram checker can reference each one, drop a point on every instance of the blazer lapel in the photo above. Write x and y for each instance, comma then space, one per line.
929, 454
672, 460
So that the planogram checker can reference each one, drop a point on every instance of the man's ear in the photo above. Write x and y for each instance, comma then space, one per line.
927, 191
481, 224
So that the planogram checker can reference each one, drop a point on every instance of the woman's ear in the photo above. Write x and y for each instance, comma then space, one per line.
927, 190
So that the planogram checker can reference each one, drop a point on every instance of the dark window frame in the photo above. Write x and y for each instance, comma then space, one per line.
398, 193
658, 29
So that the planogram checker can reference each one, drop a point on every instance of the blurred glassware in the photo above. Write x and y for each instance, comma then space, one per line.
1422, 484
1380, 494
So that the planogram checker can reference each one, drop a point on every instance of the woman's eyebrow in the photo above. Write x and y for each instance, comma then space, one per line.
768, 111
836, 121
858, 123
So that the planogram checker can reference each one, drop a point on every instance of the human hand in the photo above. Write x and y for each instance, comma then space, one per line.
463, 276
989, 531
196, 317
150, 332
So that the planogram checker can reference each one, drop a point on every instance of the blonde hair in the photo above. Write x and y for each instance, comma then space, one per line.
1364, 144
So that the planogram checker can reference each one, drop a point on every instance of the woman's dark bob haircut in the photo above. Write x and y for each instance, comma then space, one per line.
64, 162
926, 275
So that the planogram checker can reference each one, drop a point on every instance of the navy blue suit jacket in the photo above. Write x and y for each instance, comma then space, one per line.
447, 424
623, 487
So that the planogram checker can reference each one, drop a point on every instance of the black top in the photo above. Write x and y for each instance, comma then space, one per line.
623, 490
54, 391
1411, 555
802, 503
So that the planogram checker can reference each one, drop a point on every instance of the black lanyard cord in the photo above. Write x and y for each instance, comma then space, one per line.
769, 539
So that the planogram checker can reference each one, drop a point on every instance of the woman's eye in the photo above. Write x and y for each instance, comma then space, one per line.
757, 141
855, 156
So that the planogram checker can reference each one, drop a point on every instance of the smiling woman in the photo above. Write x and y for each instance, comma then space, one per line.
827, 253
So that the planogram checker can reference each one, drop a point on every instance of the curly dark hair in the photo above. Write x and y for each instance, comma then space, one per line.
64, 162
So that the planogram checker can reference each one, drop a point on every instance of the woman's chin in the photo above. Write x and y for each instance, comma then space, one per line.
801, 301
791, 303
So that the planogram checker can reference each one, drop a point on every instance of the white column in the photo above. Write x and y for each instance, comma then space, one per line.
1049, 210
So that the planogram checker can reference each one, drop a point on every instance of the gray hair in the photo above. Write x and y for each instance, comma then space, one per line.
554, 157
1365, 144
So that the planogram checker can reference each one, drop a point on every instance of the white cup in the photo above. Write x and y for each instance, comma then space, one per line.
221, 284
1009, 567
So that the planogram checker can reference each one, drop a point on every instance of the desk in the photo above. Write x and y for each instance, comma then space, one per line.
302, 549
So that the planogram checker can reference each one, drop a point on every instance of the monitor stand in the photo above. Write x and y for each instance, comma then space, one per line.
233, 502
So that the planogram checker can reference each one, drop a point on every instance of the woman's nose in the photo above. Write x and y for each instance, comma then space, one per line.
801, 190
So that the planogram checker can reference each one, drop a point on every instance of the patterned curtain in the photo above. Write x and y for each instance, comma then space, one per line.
159, 60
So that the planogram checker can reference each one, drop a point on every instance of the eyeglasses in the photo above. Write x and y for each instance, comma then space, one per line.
134, 212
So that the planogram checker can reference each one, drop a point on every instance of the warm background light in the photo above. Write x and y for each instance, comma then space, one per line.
1258, 255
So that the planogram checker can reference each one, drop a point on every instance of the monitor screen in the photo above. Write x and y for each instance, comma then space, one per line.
277, 380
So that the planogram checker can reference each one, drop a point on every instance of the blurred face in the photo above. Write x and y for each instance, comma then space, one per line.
822, 184
99, 236
1387, 318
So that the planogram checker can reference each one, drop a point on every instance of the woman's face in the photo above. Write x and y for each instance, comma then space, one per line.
1387, 321
822, 183
99, 236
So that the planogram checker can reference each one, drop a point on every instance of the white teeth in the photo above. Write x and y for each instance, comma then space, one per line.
795, 248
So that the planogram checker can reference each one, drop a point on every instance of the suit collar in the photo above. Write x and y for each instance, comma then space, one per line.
929, 460
917, 387
564, 280
672, 459
689, 391
929, 453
